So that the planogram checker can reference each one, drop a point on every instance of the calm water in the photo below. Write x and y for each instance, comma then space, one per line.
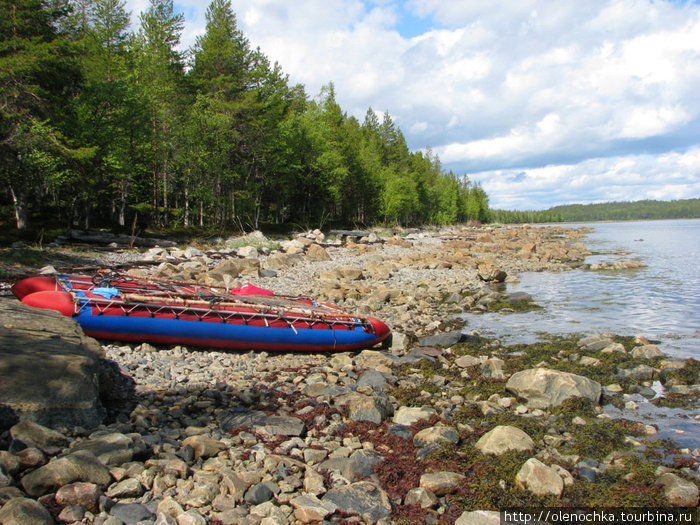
661, 301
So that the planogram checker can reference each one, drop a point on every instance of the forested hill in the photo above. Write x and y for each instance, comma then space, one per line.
102, 126
608, 211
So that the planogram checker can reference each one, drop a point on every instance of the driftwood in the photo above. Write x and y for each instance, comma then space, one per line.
120, 240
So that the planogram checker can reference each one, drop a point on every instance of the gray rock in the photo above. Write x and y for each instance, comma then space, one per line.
518, 297
545, 388
539, 479
29, 434
678, 491
9, 463
8, 493
24, 511
614, 348
441, 483
78, 466
479, 517
422, 497
586, 474
363, 498
374, 379
504, 438
71, 514
111, 449
204, 446
492, 369
131, 513
248, 252
447, 339
638, 372
127, 488
594, 343
437, 435
646, 352
357, 466
309, 509
50, 369
191, 517
409, 415
259, 493
374, 409
260, 422
467, 361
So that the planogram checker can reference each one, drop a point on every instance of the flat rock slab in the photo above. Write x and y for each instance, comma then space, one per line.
262, 423
50, 370
363, 498
545, 388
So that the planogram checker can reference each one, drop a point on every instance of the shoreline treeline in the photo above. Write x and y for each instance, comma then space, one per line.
605, 211
102, 126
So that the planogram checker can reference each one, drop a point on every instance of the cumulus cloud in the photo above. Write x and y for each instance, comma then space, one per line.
554, 91
623, 178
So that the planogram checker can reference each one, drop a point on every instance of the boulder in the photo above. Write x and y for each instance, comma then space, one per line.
678, 491
504, 438
409, 415
363, 498
437, 435
539, 479
51, 371
233, 268
25, 511
203, 446
545, 388
359, 465
442, 483
646, 352
131, 512
421, 497
257, 421
113, 448
282, 261
492, 369
80, 493
639, 372
448, 339
247, 252
374, 409
78, 466
490, 272
594, 343
309, 509
317, 253
29, 434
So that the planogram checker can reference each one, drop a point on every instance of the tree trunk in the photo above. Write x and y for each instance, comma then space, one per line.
186, 215
19, 201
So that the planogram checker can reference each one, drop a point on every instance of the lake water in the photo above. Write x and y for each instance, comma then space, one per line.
660, 301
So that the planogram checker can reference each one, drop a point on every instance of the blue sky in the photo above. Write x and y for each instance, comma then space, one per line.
542, 102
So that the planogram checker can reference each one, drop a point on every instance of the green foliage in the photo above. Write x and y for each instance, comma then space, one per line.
100, 124
609, 211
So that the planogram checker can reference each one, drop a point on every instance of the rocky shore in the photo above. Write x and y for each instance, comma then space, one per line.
444, 427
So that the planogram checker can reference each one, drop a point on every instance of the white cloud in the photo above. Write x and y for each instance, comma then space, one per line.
631, 177
503, 86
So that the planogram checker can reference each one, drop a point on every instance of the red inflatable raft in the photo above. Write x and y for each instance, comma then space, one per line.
171, 312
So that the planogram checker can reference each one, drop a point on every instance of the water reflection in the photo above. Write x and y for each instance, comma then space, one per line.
661, 300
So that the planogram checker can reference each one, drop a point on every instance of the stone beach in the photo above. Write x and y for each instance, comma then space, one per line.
442, 427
